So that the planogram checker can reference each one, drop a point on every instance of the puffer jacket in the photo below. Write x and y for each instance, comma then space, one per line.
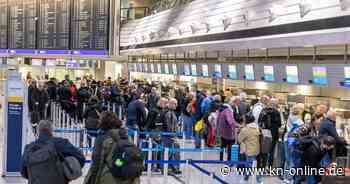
99, 172
226, 122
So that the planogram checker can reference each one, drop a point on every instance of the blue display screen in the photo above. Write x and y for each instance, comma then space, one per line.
249, 72
292, 74
232, 72
205, 70
320, 75
187, 69
193, 69
269, 73
217, 71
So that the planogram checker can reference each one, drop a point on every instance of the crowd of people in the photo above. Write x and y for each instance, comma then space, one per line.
303, 136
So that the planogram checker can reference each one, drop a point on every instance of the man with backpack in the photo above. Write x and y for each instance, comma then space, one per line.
115, 160
51, 159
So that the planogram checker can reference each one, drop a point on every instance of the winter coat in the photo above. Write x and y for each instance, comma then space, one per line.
197, 114
52, 90
270, 118
37, 100
205, 105
249, 138
313, 153
226, 122
293, 123
257, 108
152, 100
328, 128
63, 146
136, 114
99, 172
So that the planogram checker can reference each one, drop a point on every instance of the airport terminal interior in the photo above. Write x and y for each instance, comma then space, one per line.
197, 91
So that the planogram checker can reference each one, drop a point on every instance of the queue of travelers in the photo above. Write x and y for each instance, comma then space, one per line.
303, 136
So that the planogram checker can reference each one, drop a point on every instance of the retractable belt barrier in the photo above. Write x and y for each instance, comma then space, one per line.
73, 129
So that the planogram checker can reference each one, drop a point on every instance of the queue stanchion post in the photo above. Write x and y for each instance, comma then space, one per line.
135, 137
166, 165
59, 116
45, 110
188, 172
84, 107
55, 113
253, 178
202, 157
63, 119
120, 112
183, 146
113, 109
85, 138
149, 166
53, 110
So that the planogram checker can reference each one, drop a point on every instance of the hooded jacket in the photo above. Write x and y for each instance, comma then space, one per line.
249, 139
293, 123
99, 172
226, 122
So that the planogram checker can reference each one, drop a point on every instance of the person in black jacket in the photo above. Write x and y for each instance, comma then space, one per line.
152, 99
136, 113
52, 89
83, 96
270, 118
63, 146
92, 116
314, 150
32, 94
328, 128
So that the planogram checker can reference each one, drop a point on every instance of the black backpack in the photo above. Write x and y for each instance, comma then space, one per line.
44, 164
126, 161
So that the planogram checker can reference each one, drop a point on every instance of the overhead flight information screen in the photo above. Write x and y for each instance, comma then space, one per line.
54, 20
3, 24
90, 24
22, 30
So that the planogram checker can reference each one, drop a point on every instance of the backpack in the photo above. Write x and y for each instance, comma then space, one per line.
125, 161
44, 164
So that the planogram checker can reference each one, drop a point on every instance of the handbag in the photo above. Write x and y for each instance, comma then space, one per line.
71, 167
199, 125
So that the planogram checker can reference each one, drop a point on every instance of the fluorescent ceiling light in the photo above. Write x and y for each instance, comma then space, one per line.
245, 18
274, 12
226, 21
194, 28
152, 35
207, 27
305, 7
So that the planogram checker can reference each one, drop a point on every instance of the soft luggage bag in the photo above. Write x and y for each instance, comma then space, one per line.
44, 164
